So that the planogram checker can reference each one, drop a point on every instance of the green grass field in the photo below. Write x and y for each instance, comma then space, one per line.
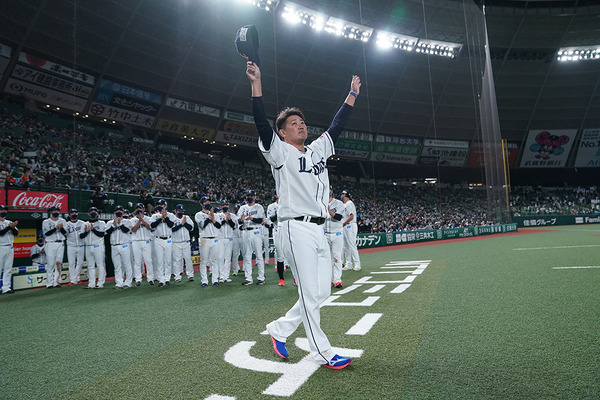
487, 318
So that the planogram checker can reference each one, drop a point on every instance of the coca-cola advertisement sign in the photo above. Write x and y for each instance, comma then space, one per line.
25, 200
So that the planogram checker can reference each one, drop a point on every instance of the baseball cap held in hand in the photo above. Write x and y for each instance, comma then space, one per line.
246, 43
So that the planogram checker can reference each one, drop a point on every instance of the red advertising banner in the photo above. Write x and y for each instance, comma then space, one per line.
476, 155
22, 250
27, 200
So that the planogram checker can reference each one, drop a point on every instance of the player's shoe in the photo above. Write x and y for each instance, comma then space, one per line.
295, 284
260, 282
70, 284
215, 283
138, 283
191, 279
281, 282
204, 284
344, 268
151, 283
357, 268
339, 285
80, 282
167, 282
227, 280
279, 348
235, 274
338, 362
247, 283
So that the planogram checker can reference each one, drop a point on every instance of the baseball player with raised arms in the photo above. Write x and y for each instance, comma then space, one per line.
120, 248
8, 231
182, 252
302, 184
141, 245
75, 246
54, 232
335, 238
227, 228
251, 216
350, 229
162, 222
272, 210
93, 236
208, 237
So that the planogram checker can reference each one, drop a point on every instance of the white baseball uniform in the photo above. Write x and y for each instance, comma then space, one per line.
163, 245
335, 238
253, 239
38, 254
272, 210
208, 233
120, 249
182, 252
141, 247
95, 252
75, 249
238, 244
55, 249
265, 238
350, 231
7, 253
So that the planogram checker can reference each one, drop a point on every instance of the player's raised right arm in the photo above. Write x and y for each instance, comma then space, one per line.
265, 131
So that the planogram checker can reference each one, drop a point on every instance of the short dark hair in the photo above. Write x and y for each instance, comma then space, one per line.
285, 114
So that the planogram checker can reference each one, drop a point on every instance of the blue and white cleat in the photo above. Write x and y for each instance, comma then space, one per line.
338, 362
279, 348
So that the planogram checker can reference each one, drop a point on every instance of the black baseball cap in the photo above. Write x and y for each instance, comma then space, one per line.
250, 193
73, 210
162, 202
117, 208
139, 205
246, 43
3, 207
203, 199
180, 207
53, 208
347, 193
93, 209
224, 202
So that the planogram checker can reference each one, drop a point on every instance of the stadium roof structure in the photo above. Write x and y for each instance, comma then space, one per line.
184, 48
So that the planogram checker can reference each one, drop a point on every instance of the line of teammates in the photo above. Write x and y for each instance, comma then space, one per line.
159, 245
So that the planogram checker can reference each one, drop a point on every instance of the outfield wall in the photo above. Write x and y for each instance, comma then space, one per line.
553, 220
390, 238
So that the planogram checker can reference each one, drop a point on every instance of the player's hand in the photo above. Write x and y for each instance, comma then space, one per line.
13, 224
89, 228
183, 220
163, 213
355, 84
252, 71
58, 226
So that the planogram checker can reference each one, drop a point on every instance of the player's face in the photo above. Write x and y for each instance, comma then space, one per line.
294, 131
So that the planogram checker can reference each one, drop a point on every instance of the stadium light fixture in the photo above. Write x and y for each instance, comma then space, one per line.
579, 53
438, 48
349, 30
388, 40
295, 13
266, 5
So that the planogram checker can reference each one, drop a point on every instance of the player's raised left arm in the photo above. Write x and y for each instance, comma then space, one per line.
340, 119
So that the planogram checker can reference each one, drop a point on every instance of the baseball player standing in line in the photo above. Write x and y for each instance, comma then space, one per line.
54, 232
120, 248
93, 236
37, 252
8, 231
265, 225
350, 228
208, 237
302, 184
75, 246
335, 238
141, 245
237, 247
272, 210
251, 216
162, 222
182, 252
227, 228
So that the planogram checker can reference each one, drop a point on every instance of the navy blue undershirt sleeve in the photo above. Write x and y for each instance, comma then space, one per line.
265, 130
339, 121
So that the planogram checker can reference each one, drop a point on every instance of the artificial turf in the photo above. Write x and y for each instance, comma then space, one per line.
483, 320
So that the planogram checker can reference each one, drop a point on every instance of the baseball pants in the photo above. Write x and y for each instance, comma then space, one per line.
227, 255
265, 238
94, 255
336, 244
305, 248
163, 252
142, 254
253, 242
121, 258
55, 251
182, 253
209, 255
7, 255
75, 257
350, 249
238, 246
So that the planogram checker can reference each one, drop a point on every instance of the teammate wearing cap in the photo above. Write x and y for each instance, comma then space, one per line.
335, 238
141, 245
266, 224
54, 232
93, 237
237, 247
37, 252
120, 248
208, 242
228, 226
251, 217
75, 246
8, 231
300, 173
272, 210
350, 229
182, 252
163, 222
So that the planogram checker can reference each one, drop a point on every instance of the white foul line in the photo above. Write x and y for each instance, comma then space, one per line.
581, 267
558, 247
364, 325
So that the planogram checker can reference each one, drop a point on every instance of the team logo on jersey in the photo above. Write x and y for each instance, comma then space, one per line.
316, 169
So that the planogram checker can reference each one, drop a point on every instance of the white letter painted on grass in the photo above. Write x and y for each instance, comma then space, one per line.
331, 301
364, 325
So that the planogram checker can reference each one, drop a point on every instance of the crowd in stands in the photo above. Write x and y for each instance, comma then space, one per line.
34, 152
